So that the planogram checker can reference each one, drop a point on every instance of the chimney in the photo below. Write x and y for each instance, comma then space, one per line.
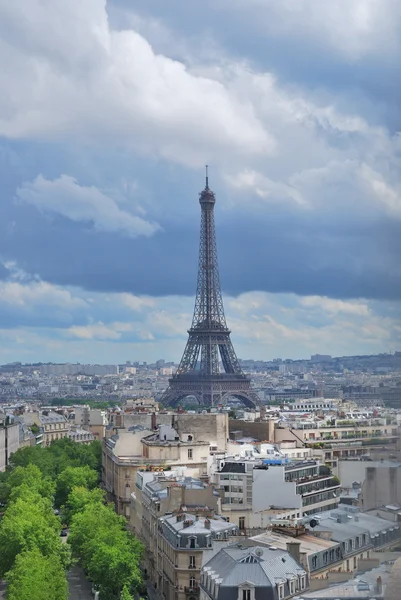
294, 548
207, 524
153, 425
379, 585
187, 523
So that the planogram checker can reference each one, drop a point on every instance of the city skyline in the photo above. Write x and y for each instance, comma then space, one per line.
111, 116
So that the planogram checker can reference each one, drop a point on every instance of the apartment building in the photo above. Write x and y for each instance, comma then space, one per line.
252, 488
128, 451
121, 458
159, 493
93, 419
196, 425
54, 426
333, 443
185, 541
339, 540
80, 436
175, 517
9, 441
253, 573
380, 482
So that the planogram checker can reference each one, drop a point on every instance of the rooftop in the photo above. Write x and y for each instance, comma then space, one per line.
354, 523
309, 543
265, 567
193, 525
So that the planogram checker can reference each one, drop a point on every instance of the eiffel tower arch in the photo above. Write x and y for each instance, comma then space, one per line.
209, 342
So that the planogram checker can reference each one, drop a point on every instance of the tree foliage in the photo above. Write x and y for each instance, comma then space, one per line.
79, 498
73, 477
64, 474
125, 594
36, 577
29, 477
29, 523
61, 454
107, 551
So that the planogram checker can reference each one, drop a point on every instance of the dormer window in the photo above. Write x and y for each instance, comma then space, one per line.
192, 542
246, 591
280, 589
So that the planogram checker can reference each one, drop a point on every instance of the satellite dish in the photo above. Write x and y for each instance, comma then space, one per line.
259, 552
313, 523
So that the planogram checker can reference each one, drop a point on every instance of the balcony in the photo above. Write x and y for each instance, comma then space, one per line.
192, 589
327, 486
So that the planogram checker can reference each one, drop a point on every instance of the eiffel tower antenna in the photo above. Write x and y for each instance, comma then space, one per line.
209, 342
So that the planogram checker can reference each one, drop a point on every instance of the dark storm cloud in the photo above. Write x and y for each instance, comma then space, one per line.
277, 250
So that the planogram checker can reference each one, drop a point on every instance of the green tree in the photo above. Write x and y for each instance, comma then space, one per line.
125, 594
79, 498
105, 548
29, 523
29, 477
35, 428
73, 477
36, 577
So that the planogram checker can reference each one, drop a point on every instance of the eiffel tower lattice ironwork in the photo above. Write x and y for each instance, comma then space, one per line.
209, 342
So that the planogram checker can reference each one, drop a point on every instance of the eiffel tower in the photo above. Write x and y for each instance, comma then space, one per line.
199, 373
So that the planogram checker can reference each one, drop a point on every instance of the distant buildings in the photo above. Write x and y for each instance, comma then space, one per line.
78, 369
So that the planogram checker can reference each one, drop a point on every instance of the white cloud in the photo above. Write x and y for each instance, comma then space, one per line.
76, 78
389, 196
100, 331
334, 306
137, 303
353, 28
38, 294
64, 196
264, 187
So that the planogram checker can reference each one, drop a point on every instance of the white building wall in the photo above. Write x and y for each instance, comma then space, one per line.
271, 489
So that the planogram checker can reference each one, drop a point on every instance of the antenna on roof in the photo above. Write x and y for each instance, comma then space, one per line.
207, 176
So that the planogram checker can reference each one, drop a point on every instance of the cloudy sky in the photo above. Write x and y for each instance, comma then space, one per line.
109, 112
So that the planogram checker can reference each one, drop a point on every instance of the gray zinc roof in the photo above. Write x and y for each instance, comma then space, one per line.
260, 565
363, 523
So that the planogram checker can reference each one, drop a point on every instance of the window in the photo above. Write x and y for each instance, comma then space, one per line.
303, 582
192, 582
292, 587
241, 522
192, 542
190, 453
246, 594
280, 592
192, 562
